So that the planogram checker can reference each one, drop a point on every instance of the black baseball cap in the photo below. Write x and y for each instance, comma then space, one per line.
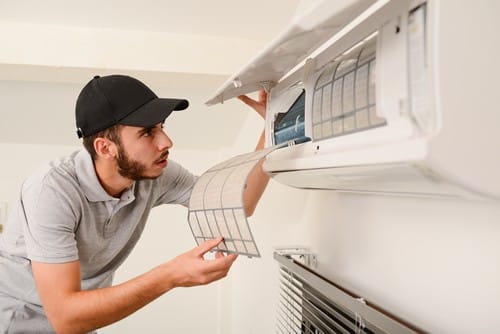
120, 99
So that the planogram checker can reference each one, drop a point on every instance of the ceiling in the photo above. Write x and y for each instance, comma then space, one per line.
48, 55
258, 19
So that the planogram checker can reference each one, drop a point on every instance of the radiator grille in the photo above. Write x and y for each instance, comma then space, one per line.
310, 304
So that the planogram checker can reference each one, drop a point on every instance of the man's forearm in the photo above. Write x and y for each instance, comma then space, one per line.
88, 310
71, 310
256, 183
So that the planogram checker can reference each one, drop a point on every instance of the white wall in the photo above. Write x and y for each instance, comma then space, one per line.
42, 112
431, 262
19, 161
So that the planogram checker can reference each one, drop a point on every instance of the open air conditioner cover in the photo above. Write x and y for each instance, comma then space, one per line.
306, 33
390, 99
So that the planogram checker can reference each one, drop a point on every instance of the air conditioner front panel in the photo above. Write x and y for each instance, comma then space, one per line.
402, 179
305, 33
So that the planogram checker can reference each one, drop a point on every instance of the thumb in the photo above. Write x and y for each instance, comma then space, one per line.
248, 101
207, 246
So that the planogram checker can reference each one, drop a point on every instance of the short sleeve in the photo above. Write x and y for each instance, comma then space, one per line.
50, 223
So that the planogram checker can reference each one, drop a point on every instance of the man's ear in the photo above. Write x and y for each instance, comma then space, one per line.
105, 148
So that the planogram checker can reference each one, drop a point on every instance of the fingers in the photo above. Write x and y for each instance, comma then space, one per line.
222, 264
225, 260
263, 96
262, 99
259, 106
217, 268
249, 101
191, 268
221, 261
211, 244
220, 268
207, 246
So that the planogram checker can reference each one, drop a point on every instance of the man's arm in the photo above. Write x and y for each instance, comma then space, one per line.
72, 310
258, 179
256, 183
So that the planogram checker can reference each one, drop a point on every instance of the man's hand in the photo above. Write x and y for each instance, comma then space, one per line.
258, 105
191, 268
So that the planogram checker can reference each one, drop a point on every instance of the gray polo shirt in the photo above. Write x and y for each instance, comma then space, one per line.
63, 215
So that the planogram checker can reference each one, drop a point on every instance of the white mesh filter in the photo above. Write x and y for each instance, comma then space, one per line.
216, 204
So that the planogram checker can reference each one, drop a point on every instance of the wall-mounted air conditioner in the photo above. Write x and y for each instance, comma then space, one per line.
396, 96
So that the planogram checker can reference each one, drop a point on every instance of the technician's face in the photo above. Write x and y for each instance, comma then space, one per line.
142, 152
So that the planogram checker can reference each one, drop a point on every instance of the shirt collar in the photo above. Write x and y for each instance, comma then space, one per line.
85, 171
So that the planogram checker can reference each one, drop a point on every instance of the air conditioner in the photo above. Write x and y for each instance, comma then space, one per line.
393, 96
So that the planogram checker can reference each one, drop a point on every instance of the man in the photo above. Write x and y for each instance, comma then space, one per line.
78, 218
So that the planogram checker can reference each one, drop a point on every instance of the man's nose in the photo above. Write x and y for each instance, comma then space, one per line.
164, 142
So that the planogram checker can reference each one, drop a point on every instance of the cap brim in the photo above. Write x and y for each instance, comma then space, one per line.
153, 112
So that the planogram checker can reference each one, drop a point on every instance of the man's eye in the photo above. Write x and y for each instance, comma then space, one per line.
147, 133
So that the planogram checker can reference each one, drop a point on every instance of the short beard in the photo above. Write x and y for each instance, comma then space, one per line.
130, 168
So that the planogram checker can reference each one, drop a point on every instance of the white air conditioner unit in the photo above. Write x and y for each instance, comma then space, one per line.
396, 96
